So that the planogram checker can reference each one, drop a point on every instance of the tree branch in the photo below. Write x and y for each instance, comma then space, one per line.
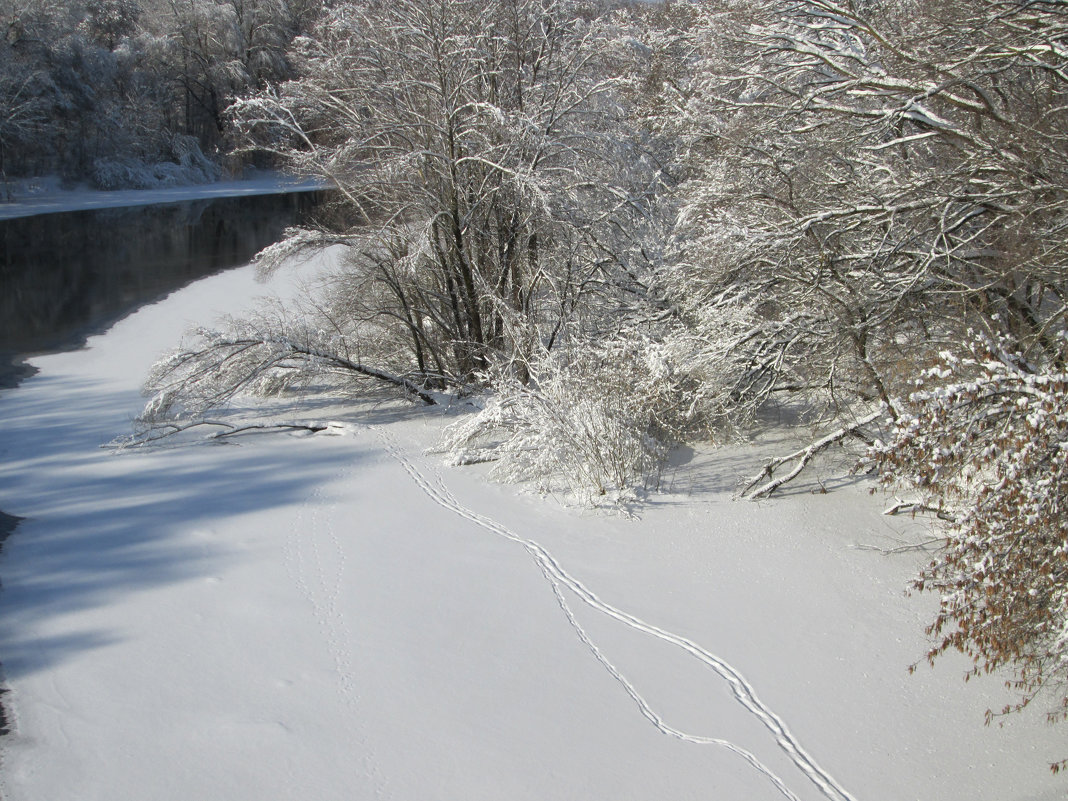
801, 458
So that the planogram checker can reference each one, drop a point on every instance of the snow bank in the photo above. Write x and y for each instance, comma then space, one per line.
46, 197
338, 617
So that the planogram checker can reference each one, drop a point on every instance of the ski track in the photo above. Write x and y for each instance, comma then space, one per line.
560, 579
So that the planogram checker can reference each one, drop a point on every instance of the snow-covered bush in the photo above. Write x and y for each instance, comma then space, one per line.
122, 173
189, 166
596, 425
195, 167
984, 440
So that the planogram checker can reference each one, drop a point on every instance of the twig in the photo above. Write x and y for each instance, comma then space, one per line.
919, 507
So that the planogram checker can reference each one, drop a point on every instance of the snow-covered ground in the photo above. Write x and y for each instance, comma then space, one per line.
339, 617
45, 196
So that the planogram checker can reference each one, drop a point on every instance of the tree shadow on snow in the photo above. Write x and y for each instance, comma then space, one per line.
101, 525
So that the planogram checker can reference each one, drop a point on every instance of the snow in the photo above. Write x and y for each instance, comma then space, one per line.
44, 196
341, 617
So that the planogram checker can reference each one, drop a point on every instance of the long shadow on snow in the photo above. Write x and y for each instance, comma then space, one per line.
100, 525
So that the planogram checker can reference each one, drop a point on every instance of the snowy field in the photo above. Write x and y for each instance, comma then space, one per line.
44, 196
339, 617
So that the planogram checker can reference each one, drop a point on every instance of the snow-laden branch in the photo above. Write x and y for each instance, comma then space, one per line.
987, 435
255, 359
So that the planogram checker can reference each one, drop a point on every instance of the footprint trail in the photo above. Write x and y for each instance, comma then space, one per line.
315, 559
561, 580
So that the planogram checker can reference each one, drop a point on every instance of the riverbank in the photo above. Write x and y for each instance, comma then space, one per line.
338, 616
69, 275
46, 196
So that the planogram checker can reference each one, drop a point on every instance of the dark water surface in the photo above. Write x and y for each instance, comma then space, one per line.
66, 276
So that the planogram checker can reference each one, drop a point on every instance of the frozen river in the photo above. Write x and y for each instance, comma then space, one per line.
66, 275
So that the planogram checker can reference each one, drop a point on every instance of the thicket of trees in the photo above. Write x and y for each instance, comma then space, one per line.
891, 181
130, 93
623, 226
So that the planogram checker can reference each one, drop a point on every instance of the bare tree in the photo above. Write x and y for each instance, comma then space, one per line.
23, 113
868, 181
218, 50
474, 143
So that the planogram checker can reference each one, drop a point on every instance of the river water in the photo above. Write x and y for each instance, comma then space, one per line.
66, 276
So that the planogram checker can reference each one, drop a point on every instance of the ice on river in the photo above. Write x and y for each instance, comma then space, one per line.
337, 616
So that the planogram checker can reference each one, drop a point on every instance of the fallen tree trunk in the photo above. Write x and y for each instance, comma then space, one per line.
754, 489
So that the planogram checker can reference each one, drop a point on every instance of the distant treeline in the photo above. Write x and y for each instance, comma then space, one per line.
133, 93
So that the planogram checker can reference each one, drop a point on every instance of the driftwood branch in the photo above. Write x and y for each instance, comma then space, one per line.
926, 545
765, 483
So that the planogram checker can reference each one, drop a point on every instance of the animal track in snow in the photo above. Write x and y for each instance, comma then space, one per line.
561, 580
315, 558
318, 576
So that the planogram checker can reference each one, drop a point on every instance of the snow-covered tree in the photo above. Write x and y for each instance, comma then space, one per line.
218, 50
133, 92
983, 442
501, 211
478, 148
110, 21
867, 181
23, 112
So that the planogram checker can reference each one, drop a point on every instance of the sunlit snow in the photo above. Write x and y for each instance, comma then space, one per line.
342, 617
